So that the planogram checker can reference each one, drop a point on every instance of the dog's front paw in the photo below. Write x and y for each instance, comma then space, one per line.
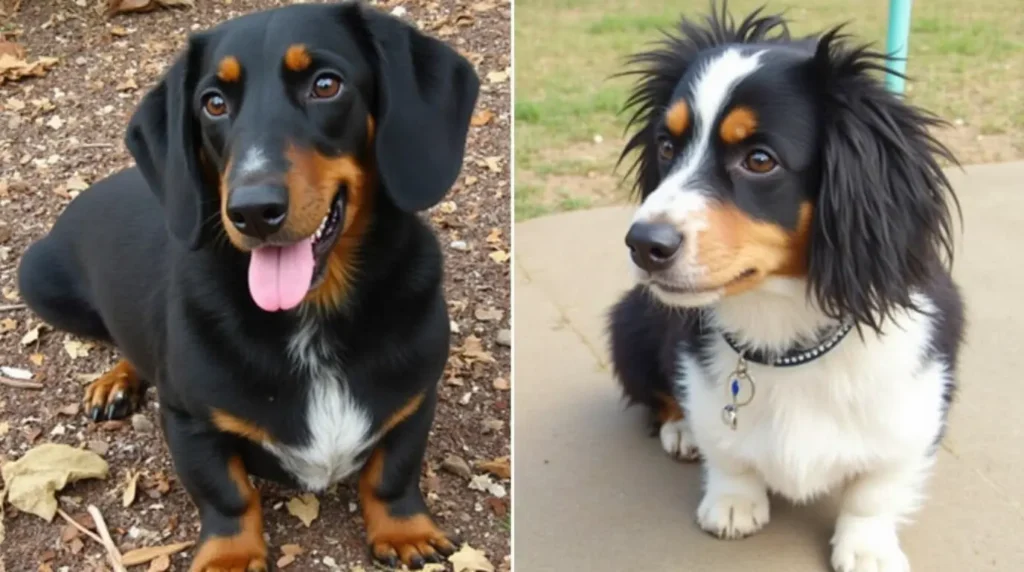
413, 541
678, 442
867, 545
734, 514
115, 395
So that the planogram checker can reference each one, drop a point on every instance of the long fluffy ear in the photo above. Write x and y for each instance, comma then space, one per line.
426, 94
163, 139
660, 69
883, 217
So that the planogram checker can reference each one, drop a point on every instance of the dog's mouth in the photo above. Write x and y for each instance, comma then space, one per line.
675, 288
280, 276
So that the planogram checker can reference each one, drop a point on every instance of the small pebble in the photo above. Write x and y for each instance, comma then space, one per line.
504, 338
459, 245
142, 424
456, 465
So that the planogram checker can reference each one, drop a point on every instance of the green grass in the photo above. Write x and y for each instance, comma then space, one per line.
966, 63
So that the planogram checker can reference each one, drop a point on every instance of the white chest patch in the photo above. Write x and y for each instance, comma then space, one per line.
866, 404
339, 429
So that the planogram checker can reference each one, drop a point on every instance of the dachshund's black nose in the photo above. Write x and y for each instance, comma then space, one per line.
653, 245
258, 211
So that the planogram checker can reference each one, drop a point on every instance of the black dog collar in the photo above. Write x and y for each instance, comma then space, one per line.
830, 338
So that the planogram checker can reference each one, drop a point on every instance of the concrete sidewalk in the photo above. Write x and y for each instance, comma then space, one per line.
593, 493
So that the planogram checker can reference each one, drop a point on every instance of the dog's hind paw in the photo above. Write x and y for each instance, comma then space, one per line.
115, 395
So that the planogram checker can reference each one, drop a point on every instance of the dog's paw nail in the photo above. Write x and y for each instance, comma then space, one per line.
416, 562
434, 558
95, 412
109, 413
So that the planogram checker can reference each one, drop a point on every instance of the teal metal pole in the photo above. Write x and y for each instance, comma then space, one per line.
896, 42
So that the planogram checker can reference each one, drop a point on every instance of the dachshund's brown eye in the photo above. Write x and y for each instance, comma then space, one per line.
759, 162
666, 150
214, 105
326, 86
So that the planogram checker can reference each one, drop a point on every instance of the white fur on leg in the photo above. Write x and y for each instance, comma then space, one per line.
734, 505
678, 442
867, 544
873, 506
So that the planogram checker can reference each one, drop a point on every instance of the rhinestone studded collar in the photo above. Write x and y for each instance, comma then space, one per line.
830, 338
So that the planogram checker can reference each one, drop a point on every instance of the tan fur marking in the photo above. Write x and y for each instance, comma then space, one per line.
245, 550
229, 70
229, 423
403, 537
739, 124
668, 409
677, 118
312, 183
733, 243
296, 58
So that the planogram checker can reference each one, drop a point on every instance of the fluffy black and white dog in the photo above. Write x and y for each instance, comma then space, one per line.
794, 323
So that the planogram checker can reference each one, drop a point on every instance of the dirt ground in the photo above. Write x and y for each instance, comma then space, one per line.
64, 130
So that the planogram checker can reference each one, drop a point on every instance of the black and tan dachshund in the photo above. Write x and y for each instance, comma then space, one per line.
264, 267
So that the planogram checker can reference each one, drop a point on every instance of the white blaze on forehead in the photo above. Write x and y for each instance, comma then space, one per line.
679, 199
253, 162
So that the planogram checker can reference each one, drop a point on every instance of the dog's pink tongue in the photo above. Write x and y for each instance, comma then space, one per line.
279, 277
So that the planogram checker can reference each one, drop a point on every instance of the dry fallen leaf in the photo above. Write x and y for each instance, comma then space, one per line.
482, 117
500, 467
36, 359
130, 489
160, 564
500, 256
122, 6
8, 324
494, 237
291, 549
32, 335
493, 163
497, 76
33, 479
143, 555
305, 507
469, 559
473, 349
14, 68
77, 349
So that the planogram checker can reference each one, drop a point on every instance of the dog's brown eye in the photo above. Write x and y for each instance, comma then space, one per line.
666, 150
759, 162
326, 86
214, 105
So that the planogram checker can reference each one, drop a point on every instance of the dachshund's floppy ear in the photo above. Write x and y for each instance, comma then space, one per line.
163, 138
883, 216
425, 98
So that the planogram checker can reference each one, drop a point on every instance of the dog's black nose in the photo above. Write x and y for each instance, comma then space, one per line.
259, 210
653, 245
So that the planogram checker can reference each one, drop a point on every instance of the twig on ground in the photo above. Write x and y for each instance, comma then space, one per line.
12, 307
113, 554
20, 384
79, 526
96, 145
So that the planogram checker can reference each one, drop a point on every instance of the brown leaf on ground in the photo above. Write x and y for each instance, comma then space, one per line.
473, 349
482, 117
11, 49
13, 68
130, 488
125, 6
150, 553
305, 507
33, 480
500, 467
160, 564
469, 559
